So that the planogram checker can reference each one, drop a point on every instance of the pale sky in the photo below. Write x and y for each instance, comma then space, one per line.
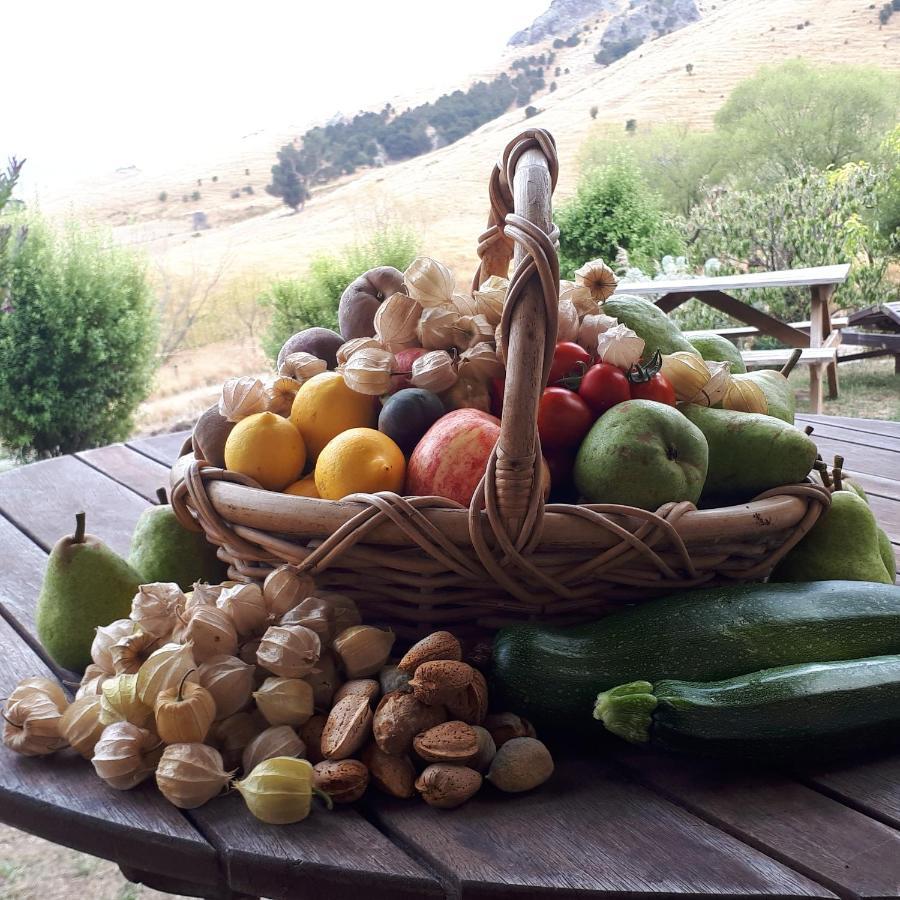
90, 86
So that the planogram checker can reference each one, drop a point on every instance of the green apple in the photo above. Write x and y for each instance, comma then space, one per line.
642, 453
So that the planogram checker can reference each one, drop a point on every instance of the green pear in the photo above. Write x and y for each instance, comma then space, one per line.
86, 585
641, 453
649, 322
842, 545
886, 551
714, 348
162, 549
749, 453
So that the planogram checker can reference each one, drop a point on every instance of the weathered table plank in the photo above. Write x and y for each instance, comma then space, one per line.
872, 426
164, 448
21, 575
810, 832
589, 830
63, 800
43, 498
335, 854
129, 468
873, 787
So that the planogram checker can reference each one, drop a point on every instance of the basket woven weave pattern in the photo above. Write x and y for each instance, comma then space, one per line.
504, 572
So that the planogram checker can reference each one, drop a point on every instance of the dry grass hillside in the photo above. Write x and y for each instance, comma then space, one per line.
442, 195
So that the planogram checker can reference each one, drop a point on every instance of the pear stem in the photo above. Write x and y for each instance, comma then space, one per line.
838, 461
162, 496
78, 537
808, 430
837, 475
789, 365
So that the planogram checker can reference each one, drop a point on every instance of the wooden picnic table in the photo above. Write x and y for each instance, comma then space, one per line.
821, 281
609, 822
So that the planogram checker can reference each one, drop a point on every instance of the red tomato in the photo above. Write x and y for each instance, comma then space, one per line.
566, 358
560, 463
603, 386
563, 418
656, 388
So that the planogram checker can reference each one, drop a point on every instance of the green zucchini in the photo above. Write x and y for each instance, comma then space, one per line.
551, 675
819, 710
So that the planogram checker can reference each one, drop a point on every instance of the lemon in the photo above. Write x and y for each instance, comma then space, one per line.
325, 406
360, 460
267, 448
305, 487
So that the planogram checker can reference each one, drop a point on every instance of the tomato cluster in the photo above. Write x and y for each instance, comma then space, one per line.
579, 391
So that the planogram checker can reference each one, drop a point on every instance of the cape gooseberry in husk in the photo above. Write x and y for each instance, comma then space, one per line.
279, 791
210, 433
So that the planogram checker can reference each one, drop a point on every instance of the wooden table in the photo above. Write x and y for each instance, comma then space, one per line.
821, 281
610, 822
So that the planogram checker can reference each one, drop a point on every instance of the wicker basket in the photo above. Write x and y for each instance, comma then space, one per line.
419, 563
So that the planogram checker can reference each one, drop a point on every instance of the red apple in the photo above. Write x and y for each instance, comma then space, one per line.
403, 365
452, 456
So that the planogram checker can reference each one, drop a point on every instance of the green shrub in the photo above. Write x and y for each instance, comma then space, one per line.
615, 207
298, 303
163, 196
594, 110
77, 340
195, 195
531, 112
888, 210
814, 218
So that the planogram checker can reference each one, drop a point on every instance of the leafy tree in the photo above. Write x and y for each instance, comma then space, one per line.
594, 110
791, 116
163, 196
615, 207
689, 68
298, 303
195, 196
888, 208
631, 126
809, 219
77, 340
286, 182
531, 111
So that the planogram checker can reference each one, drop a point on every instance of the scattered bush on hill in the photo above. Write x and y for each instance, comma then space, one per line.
77, 340
298, 303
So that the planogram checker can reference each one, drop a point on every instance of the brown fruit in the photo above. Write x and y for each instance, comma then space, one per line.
471, 703
321, 342
395, 775
447, 787
438, 645
439, 681
347, 728
451, 742
520, 765
368, 687
506, 726
399, 717
343, 780
210, 433
362, 297
311, 735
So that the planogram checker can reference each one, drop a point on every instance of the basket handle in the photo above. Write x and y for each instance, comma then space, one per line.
521, 187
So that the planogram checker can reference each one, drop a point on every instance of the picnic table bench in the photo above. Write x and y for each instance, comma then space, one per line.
820, 333
611, 821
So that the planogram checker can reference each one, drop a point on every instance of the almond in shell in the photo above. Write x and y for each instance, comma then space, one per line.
399, 717
394, 775
451, 742
471, 703
311, 735
506, 726
439, 645
367, 687
347, 728
447, 787
344, 780
441, 680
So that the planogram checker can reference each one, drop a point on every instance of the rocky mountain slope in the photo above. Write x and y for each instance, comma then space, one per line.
562, 18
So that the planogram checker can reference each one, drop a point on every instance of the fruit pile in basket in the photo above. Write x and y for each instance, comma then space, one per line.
407, 398
285, 683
